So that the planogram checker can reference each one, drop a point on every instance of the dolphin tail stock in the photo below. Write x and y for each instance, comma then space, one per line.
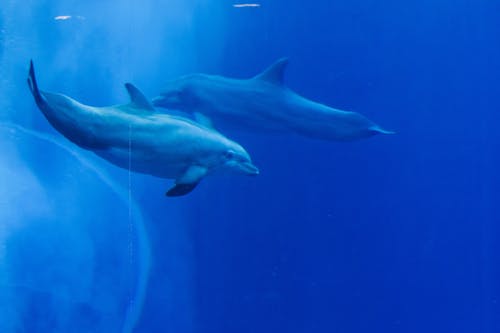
32, 84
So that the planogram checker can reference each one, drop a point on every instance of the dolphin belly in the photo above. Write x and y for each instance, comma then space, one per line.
318, 121
141, 162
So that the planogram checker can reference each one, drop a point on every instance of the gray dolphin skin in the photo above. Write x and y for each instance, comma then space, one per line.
263, 102
135, 137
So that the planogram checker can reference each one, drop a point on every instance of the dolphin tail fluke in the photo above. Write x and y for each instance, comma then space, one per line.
32, 84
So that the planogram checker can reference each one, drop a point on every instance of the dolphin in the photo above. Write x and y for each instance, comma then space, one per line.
263, 102
135, 137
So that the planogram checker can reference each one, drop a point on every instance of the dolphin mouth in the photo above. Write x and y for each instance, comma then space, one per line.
249, 169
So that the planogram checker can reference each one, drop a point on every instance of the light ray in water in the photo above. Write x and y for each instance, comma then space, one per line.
136, 304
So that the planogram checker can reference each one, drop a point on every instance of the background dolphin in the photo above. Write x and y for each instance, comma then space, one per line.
133, 136
264, 102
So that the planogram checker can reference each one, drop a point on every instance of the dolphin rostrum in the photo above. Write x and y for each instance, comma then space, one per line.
133, 136
263, 102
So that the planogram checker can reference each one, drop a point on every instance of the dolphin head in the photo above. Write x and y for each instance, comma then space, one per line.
179, 94
235, 158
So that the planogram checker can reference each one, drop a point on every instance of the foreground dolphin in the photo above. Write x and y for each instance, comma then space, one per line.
263, 102
134, 137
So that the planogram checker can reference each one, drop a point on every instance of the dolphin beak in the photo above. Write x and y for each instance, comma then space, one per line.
249, 169
378, 130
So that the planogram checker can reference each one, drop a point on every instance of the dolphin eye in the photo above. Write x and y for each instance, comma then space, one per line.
229, 154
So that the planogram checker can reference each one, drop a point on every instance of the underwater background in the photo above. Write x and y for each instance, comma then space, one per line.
389, 234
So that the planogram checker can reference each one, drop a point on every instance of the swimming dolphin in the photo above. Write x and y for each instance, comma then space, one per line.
263, 102
133, 136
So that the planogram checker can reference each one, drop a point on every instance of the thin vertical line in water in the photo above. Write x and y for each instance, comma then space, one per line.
129, 326
130, 224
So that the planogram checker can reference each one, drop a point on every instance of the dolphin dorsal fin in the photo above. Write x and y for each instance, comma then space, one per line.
275, 73
137, 98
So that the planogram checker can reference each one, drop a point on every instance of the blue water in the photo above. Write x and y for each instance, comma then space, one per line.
389, 234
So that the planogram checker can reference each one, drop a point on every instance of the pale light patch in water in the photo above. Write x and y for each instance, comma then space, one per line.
246, 5
67, 17
41, 207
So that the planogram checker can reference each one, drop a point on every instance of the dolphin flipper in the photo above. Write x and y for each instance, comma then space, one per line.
180, 190
187, 181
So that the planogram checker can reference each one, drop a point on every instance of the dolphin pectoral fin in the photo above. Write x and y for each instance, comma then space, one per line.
187, 181
137, 98
274, 73
203, 120
180, 190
